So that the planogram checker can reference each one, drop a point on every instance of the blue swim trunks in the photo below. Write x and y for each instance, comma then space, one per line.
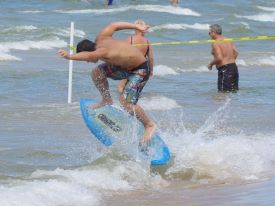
137, 79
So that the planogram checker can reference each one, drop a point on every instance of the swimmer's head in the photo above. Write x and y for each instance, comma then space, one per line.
140, 22
215, 28
85, 45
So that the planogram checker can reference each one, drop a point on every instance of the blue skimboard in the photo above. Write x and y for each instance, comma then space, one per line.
112, 125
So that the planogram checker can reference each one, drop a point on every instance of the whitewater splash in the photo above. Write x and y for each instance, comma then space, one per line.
213, 154
205, 155
88, 184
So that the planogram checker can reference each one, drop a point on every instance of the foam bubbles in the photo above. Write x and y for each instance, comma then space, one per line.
28, 44
268, 61
241, 62
81, 186
202, 68
196, 26
6, 47
266, 8
158, 103
8, 57
163, 70
210, 154
262, 17
32, 11
66, 33
19, 29
152, 8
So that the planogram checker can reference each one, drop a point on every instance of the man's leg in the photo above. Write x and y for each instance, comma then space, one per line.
121, 85
149, 126
101, 83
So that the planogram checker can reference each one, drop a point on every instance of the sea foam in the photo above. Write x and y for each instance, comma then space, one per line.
87, 184
162, 70
151, 8
6, 47
158, 103
18, 29
266, 8
210, 154
262, 17
180, 26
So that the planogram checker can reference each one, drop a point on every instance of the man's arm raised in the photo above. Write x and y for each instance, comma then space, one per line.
116, 26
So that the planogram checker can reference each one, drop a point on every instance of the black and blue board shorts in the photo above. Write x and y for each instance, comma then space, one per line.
137, 78
228, 78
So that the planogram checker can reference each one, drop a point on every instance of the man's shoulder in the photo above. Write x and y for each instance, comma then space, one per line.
101, 38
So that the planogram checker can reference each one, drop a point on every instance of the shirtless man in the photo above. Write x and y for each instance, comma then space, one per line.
225, 55
122, 61
144, 46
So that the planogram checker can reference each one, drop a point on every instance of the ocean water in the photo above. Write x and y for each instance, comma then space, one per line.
222, 145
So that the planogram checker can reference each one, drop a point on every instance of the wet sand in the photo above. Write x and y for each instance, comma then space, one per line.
252, 194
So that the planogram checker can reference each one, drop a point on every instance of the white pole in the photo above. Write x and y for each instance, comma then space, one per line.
71, 64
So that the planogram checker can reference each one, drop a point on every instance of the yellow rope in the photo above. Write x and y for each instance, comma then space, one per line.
256, 38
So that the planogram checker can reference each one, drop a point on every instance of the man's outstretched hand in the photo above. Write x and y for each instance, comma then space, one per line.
63, 54
143, 28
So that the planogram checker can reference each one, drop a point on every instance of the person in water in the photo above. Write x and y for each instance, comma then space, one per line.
121, 61
225, 55
174, 2
144, 46
110, 2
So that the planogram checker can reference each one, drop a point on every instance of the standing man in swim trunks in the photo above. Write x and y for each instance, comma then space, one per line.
122, 61
143, 44
225, 55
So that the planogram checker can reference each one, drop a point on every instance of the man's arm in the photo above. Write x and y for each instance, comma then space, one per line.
93, 56
116, 26
217, 56
235, 52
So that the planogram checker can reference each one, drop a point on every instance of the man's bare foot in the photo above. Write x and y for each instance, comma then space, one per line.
102, 103
148, 132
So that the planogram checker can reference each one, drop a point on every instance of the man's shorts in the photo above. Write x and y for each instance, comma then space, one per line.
137, 79
228, 78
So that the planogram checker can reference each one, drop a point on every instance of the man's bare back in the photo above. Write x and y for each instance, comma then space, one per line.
226, 51
120, 53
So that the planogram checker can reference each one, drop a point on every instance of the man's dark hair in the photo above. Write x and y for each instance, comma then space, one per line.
85, 45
